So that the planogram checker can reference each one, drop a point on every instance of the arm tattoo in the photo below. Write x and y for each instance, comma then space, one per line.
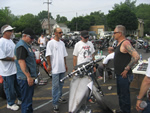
132, 52
26, 70
132, 62
130, 49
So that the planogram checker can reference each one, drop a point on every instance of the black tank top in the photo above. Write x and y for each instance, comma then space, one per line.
121, 60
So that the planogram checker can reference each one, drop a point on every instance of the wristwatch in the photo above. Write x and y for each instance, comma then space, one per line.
138, 98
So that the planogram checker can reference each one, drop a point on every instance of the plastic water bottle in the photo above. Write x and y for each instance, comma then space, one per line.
101, 52
98, 53
143, 104
140, 57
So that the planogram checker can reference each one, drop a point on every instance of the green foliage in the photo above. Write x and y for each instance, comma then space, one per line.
122, 15
28, 21
143, 12
60, 19
6, 17
44, 14
84, 23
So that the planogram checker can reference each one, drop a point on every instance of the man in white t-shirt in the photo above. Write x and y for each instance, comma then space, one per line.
105, 61
56, 57
8, 68
84, 50
144, 87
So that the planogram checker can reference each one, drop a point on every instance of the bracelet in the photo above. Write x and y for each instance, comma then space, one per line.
138, 98
126, 69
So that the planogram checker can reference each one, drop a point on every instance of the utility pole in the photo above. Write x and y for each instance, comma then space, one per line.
49, 29
76, 22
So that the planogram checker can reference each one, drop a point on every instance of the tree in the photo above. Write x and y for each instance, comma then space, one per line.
130, 4
143, 12
60, 19
44, 14
6, 17
122, 15
28, 21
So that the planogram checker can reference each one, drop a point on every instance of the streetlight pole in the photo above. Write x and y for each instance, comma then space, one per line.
48, 16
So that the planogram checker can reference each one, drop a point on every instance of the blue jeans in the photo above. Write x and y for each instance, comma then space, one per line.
27, 94
123, 91
12, 89
147, 109
57, 87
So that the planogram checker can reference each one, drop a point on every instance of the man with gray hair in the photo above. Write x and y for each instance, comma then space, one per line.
125, 57
26, 69
8, 68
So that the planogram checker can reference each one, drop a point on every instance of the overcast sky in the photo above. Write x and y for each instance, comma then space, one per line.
67, 8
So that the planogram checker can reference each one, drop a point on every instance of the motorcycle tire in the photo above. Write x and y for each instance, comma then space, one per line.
100, 101
146, 50
2, 93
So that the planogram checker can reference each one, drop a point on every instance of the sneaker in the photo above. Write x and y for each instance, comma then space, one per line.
63, 101
13, 107
100, 78
56, 109
118, 111
19, 102
91, 101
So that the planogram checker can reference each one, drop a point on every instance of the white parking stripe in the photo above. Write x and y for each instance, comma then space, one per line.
38, 107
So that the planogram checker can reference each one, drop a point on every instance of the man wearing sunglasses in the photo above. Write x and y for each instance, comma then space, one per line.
8, 68
26, 69
125, 57
56, 57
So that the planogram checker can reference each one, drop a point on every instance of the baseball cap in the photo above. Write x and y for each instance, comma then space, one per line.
6, 28
85, 34
30, 32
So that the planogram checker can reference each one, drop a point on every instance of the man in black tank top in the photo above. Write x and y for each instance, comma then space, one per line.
125, 57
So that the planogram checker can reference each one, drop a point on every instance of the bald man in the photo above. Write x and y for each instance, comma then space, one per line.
105, 61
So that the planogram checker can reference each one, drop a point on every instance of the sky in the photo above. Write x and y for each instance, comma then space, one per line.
67, 8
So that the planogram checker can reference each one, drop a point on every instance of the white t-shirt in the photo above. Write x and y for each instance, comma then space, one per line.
57, 51
83, 51
7, 47
110, 56
43, 40
148, 68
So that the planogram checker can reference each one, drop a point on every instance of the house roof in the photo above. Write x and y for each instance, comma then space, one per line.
52, 21
62, 25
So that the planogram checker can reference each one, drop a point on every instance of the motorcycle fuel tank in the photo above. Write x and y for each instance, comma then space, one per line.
79, 92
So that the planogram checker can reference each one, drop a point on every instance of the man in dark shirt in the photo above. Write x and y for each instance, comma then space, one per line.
125, 57
26, 69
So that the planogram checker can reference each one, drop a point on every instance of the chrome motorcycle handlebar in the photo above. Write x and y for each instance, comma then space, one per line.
81, 69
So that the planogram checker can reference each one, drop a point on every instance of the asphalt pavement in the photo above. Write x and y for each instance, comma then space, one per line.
42, 99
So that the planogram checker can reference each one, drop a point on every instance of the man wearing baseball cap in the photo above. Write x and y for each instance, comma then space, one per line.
8, 68
26, 69
83, 51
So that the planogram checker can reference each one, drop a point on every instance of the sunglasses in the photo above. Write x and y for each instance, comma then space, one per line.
10, 30
30, 36
60, 32
116, 32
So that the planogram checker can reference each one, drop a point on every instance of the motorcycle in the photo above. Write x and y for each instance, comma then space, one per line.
140, 43
82, 87
146, 46
41, 62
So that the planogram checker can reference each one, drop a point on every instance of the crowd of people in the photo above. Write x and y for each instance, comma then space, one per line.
18, 67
